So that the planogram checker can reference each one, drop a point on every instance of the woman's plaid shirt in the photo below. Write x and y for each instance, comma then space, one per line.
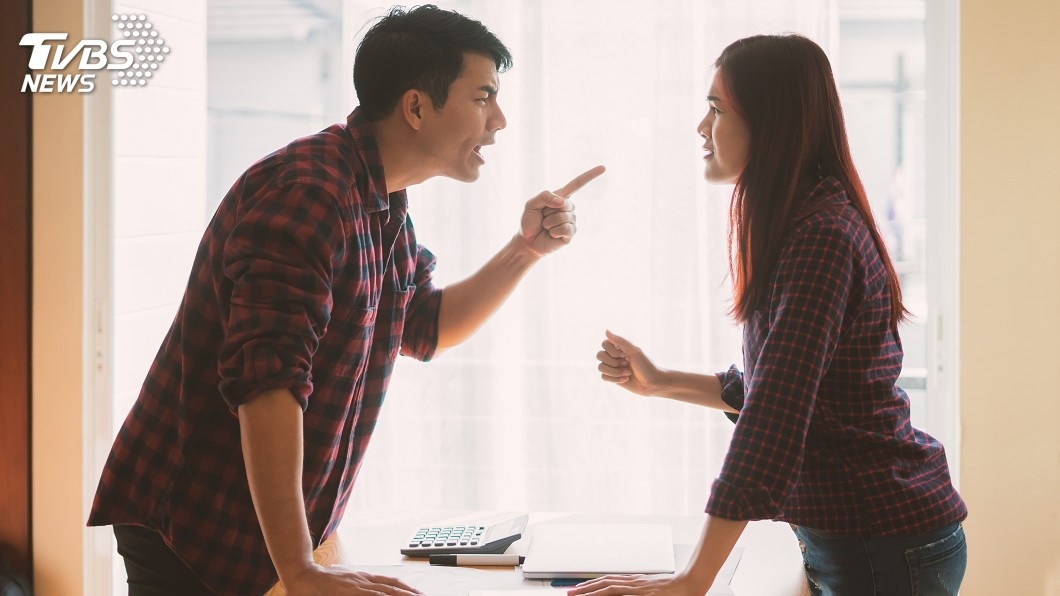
823, 438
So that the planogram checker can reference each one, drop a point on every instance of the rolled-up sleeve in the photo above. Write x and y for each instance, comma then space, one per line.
419, 339
732, 390
808, 299
279, 259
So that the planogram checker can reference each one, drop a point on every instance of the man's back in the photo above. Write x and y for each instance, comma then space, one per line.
303, 280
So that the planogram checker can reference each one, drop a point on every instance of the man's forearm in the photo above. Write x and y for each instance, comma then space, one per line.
271, 433
467, 304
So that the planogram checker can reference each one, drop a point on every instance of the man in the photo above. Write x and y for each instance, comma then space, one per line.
240, 453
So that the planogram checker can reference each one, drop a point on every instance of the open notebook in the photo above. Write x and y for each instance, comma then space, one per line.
590, 550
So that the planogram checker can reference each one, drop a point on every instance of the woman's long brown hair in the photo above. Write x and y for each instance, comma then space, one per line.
782, 86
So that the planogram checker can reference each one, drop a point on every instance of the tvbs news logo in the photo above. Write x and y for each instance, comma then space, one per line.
133, 59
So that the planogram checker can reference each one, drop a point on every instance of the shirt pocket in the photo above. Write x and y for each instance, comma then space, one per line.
358, 333
395, 305
938, 566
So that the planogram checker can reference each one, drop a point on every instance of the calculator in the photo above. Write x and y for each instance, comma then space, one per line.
464, 538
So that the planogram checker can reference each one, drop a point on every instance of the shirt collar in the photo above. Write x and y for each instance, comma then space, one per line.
827, 192
376, 197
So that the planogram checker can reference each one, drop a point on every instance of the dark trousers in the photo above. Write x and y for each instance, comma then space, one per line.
154, 569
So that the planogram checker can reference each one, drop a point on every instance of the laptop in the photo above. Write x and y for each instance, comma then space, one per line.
578, 551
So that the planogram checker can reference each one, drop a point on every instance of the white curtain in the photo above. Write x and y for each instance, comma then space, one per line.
517, 418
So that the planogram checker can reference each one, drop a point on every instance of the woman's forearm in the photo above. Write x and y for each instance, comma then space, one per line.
693, 388
715, 543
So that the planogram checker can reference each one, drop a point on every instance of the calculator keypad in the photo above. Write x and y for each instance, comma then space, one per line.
464, 538
449, 536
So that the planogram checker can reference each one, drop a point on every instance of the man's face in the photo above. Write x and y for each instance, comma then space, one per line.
453, 137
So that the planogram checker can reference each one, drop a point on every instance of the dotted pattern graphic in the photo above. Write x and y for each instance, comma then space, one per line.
150, 51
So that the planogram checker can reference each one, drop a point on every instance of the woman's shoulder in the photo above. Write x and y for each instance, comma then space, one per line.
826, 199
826, 211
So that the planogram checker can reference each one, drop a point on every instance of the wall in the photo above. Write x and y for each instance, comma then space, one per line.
57, 323
1010, 295
256, 106
159, 193
155, 137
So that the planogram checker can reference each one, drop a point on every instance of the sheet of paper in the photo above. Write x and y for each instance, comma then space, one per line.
681, 552
506, 581
453, 581
524, 592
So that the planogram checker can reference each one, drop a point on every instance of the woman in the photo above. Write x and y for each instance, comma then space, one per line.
823, 438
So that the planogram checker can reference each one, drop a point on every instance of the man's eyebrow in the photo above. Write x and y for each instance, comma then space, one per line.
489, 89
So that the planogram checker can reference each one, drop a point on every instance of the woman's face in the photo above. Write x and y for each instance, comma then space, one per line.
726, 135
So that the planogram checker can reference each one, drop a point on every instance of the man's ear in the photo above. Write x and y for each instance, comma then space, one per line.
413, 102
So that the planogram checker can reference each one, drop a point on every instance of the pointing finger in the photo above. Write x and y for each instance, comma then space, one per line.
580, 181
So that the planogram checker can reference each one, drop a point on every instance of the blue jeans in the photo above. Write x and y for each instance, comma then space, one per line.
930, 564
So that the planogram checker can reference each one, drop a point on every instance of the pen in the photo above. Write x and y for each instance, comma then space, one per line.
475, 560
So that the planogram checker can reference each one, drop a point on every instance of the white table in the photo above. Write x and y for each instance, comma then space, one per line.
371, 540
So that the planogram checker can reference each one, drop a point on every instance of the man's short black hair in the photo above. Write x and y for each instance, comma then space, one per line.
421, 48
